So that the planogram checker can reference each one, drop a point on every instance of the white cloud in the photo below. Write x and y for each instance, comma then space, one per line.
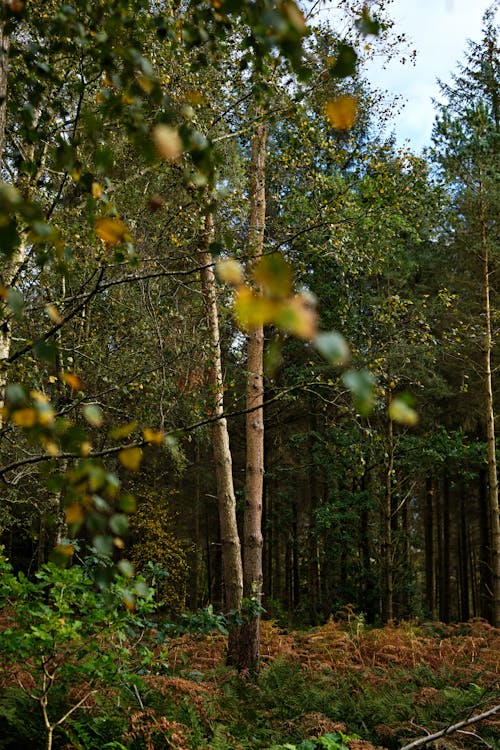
438, 30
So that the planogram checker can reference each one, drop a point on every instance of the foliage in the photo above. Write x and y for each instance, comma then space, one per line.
66, 644
153, 539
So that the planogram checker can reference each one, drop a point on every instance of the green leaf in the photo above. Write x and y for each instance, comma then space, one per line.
15, 301
118, 523
345, 63
361, 384
93, 414
9, 236
333, 347
46, 351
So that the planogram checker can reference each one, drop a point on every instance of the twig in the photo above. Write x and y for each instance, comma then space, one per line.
451, 729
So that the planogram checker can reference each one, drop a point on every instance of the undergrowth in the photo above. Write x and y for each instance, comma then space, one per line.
325, 688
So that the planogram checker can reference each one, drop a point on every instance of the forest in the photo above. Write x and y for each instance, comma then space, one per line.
248, 379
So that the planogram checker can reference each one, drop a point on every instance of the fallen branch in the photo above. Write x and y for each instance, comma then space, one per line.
451, 729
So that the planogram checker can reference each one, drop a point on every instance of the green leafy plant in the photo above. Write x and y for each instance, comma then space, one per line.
65, 641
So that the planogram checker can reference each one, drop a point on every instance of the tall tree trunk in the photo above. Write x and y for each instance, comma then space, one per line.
492, 494
387, 550
232, 572
5, 326
444, 552
430, 549
249, 645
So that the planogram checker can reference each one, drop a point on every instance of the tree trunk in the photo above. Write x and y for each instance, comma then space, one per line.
430, 550
387, 551
249, 645
492, 494
4, 327
232, 573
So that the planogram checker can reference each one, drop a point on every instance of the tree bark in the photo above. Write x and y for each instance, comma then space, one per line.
492, 494
387, 551
249, 645
232, 573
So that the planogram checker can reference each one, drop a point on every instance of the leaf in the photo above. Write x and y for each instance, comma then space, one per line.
341, 112
46, 351
345, 62
402, 413
298, 317
333, 347
122, 431
53, 313
24, 417
361, 384
93, 414
153, 436
275, 275
130, 458
127, 503
229, 271
126, 568
167, 141
15, 301
366, 24
74, 514
252, 310
61, 554
72, 380
111, 230
118, 523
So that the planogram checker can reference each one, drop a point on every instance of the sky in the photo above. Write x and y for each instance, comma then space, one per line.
438, 30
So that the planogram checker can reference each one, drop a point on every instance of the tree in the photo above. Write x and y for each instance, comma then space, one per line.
465, 141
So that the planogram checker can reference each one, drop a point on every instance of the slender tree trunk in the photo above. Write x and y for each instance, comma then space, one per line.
492, 494
232, 572
387, 551
249, 646
4, 326
430, 550
444, 552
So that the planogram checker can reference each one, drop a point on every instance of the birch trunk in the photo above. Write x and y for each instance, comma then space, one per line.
232, 572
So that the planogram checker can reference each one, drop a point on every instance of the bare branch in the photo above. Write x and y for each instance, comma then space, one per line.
452, 729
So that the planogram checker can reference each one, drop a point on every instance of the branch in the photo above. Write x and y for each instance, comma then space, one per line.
451, 729
48, 334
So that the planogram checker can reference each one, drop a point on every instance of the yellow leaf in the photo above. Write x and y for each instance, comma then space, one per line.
275, 275
74, 514
152, 436
64, 549
40, 397
53, 313
24, 417
131, 458
52, 448
341, 113
400, 412
85, 448
97, 190
72, 380
112, 231
167, 142
252, 310
146, 84
229, 271
122, 431
298, 317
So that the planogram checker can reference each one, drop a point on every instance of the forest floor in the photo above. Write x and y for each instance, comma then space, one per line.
387, 685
